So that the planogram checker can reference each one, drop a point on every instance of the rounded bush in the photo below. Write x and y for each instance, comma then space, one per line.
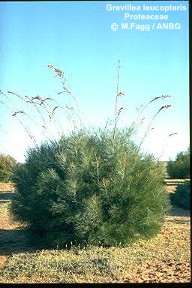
91, 189
181, 197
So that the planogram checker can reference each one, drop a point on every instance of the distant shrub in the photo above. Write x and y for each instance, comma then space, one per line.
7, 164
91, 189
181, 197
180, 168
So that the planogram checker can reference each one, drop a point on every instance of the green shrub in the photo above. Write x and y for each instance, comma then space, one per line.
90, 189
7, 164
180, 168
181, 197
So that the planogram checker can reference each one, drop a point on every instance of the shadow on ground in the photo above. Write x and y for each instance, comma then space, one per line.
6, 196
179, 212
178, 215
17, 241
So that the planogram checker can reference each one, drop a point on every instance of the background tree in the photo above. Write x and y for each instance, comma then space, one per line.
180, 168
181, 197
7, 163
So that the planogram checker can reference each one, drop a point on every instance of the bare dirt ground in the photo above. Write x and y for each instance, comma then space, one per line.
6, 187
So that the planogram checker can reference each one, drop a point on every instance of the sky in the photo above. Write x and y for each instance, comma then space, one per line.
81, 39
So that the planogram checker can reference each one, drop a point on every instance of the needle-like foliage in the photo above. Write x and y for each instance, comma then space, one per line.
90, 189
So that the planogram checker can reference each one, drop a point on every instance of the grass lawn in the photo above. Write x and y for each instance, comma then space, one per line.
164, 258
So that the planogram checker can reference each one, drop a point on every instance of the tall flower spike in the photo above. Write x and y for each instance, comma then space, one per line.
173, 134
120, 110
159, 97
43, 101
52, 112
164, 107
121, 93
58, 71
15, 113
37, 97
